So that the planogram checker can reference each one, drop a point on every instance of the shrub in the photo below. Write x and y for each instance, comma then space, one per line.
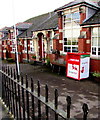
10, 60
34, 57
48, 62
96, 74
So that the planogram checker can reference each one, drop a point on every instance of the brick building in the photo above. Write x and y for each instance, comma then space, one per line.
73, 27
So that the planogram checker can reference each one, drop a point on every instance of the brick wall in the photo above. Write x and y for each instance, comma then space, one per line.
94, 65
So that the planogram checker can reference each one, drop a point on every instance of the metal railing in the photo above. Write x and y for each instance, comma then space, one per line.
20, 99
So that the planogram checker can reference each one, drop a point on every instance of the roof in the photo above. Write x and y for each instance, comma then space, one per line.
50, 23
5, 37
44, 21
77, 2
4, 30
23, 25
95, 19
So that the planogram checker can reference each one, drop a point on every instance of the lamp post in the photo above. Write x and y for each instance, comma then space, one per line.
16, 45
16, 54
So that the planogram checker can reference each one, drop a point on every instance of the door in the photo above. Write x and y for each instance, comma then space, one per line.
41, 45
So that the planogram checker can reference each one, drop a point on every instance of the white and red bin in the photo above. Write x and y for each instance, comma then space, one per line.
78, 65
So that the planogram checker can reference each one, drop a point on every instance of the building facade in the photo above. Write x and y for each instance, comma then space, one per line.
74, 27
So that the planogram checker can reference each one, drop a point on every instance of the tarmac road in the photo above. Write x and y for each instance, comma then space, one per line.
84, 91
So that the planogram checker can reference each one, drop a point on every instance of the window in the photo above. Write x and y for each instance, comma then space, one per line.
12, 35
51, 42
13, 45
32, 46
51, 47
71, 31
95, 45
25, 46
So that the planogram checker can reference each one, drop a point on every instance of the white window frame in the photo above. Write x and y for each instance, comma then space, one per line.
95, 46
13, 46
25, 46
31, 46
70, 28
51, 42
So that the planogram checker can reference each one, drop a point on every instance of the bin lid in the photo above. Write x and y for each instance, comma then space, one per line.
69, 53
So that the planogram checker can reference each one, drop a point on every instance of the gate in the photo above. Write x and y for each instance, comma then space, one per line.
26, 102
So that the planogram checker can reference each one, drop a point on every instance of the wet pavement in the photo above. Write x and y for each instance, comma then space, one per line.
4, 114
83, 91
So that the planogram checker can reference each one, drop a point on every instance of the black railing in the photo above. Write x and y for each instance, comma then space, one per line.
21, 99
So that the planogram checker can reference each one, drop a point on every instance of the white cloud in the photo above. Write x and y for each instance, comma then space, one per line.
13, 11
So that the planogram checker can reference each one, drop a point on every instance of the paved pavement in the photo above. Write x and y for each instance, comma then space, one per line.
4, 113
84, 91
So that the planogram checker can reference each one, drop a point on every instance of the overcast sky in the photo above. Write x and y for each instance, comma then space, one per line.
14, 11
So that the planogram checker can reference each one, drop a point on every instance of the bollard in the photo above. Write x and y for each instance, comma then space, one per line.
68, 106
46, 100
85, 111
39, 102
56, 103
32, 98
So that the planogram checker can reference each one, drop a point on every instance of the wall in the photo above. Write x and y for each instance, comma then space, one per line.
94, 65
84, 42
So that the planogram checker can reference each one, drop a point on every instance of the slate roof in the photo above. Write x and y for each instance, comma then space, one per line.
41, 22
95, 19
77, 2
49, 23
5, 37
24, 25
4, 30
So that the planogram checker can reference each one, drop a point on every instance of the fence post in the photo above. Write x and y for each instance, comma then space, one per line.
32, 97
68, 106
3, 87
19, 101
56, 103
85, 111
27, 99
10, 97
23, 100
13, 98
26, 82
11, 72
8, 71
4, 69
39, 103
14, 75
16, 98
46, 100
8, 89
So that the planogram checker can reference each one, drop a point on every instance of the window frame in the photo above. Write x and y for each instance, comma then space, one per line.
25, 46
51, 41
95, 46
13, 46
31, 46
71, 27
